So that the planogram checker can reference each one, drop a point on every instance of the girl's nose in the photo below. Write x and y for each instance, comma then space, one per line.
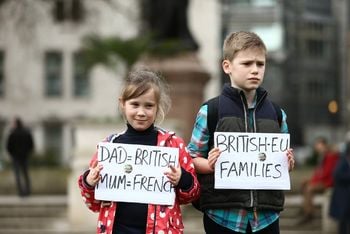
141, 112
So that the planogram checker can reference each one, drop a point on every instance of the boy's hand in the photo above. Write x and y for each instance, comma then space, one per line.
213, 157
291, 161
174, 175
94, 174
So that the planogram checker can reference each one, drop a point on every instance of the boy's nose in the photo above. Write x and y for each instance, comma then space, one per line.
255, 68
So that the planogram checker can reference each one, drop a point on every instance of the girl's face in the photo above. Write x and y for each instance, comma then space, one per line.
140, 112
247, 69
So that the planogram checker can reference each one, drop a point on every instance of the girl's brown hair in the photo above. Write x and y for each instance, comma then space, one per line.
140, 81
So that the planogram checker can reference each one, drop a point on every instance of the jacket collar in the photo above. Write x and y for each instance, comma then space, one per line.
238, 95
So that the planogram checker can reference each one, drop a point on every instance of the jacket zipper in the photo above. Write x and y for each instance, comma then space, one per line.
155, 219
246, 129
257, 104
245, 112
255, 213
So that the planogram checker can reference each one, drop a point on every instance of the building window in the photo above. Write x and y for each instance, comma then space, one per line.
315, 48
68, 10
81, 79
53, 73
322, 7
315, 89
2, 128
256, 3
313, 29
53, 133
2, 72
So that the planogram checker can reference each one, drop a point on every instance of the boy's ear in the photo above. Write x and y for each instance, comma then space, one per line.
226, 65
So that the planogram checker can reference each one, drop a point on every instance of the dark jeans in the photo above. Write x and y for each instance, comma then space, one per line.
212, 227
20, 168
122, 229
344, 227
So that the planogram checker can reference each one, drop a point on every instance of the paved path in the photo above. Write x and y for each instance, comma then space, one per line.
30, 214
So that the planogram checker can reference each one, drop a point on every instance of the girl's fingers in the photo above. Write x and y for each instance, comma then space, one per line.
172, 168
93, 164
100, 167
173, 175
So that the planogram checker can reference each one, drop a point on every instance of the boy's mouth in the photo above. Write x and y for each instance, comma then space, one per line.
254, 79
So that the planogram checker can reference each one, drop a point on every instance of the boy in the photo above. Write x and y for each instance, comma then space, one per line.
241, 107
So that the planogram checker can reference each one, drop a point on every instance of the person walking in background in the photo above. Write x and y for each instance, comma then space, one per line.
340, 199
243, 106
143, 101
321, 178
20, 145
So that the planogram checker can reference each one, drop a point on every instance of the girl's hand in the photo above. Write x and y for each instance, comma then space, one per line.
174, 175
94, 174
291, 161
213, 157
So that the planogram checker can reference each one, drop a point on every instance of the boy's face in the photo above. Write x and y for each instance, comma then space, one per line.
247, 69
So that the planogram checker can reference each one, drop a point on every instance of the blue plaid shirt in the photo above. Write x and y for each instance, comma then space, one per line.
233, 218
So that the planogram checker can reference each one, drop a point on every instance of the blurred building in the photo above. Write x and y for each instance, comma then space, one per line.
42, 78
314, 68
343, 11
306, 68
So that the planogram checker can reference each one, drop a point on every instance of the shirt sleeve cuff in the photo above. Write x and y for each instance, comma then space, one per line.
186, 180
85, 183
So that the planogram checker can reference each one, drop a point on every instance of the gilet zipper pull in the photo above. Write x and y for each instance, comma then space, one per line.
255, 212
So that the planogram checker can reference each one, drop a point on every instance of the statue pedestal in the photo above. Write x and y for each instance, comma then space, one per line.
187, 79
87, 137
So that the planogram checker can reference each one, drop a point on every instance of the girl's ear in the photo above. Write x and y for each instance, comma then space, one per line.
121, 103
226, 66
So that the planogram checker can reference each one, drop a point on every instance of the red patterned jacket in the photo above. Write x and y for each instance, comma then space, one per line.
160, 218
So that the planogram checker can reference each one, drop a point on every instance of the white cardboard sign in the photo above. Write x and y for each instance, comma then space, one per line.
135, 173
252, 161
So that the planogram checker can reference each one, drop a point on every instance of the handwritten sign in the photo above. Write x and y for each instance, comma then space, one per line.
135, 173
252, 161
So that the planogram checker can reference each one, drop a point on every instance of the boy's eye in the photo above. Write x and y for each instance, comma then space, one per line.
248, 63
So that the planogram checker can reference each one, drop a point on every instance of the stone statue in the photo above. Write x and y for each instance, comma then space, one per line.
167, 20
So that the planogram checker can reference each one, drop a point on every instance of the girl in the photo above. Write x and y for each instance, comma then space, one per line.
143, 102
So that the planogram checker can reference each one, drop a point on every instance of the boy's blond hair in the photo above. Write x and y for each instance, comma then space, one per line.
238, 41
